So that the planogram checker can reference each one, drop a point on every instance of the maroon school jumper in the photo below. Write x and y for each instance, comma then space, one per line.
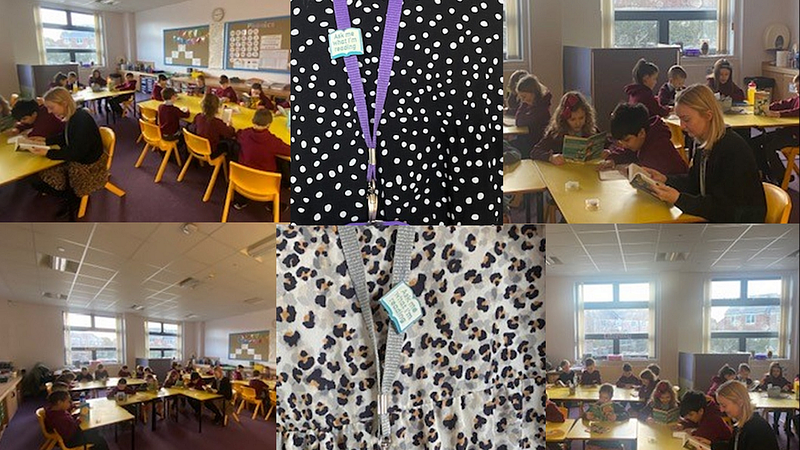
46, 124
259, 147
169, 119
230, 93
639, 93
729, 89
657, 152
213, 129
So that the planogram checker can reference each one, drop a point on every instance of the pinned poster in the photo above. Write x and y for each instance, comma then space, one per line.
196, 61
168, 60
175, 54
187, 46
181, 47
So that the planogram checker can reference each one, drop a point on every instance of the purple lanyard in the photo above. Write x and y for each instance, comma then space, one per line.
392, 25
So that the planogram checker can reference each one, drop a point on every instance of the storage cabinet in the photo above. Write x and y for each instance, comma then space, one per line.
783, 78
10, 395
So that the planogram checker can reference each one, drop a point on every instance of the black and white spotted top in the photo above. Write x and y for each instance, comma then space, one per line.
440, 138
471, 370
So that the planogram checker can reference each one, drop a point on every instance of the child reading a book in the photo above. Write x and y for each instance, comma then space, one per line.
36, 118
743, 375
58, 417
574, 116
725, 373
566, 377
702, 414
605, 410
642, 139
656, 369
721, 81
648, 384
590, 375
676, 81
533, 111
628, 379
751, 431
645, 77
774, 378
723, 184
662, 406
512, 100
552, 413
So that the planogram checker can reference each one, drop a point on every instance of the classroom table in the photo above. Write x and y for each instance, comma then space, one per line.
618, 431
619, 201
510, 127
556, 432
591, 394
88, 95
657, 436
523, 178
762, 401
104, 412
105, 384
201, 396
16, 165
240, 120
740, 117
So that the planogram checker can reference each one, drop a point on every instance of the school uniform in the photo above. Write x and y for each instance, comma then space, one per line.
645, 391
729, 89
716, 382
46, 124
768, 379
81, 377
768, 145
156, 95
639, 93
588, 379
666, 95
265, 102
567, 377
723, 184
552, 413
216, 131
258, 148
260, 387
513, 104
535, 117
124, 374
116, 101
229, 93
100, 375
70, 431
550, 144
657, 152
711, 426
169, 120
99, 81
628, 381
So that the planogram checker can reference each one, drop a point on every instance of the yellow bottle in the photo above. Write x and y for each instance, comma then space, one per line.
751, 92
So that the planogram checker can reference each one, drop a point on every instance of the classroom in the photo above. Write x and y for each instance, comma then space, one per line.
578, 149
216, 150
183, 313
659, 317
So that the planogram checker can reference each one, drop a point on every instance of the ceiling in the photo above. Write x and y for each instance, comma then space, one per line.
120, 6
634, 249
120, 265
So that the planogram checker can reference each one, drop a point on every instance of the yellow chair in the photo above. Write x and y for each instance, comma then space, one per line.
109, 143
273, 399
200, 149
150, 115
248, 395
791, 155
256, 185
52, 437
152, 138
779, 204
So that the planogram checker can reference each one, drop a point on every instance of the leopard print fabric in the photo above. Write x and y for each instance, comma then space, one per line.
472, 369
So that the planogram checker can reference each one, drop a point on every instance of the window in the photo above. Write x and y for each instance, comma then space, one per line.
163, 340
512, 31
69, 36
745, 316
91, 338
616, 319
647, 23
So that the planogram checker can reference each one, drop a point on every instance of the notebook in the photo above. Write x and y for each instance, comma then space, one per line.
584, 149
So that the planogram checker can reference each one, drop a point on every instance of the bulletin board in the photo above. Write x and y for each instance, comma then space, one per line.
261, 45
186, 46
249, 346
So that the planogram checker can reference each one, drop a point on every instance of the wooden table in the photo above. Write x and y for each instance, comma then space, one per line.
200, 396
16, 165
619, 201
88, 95
619, 431
510, 127
525, 179
591, 394
240, 120
270, 383
657, 436
105, 384
762, 401
556, 432
743, 119
104, 412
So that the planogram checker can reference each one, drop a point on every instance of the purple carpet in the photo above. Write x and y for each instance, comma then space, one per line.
167, 201
23, 433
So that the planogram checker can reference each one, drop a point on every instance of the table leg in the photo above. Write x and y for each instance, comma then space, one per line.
115, 433
527, 199
200, 417
133, 434
540, 207
153, 415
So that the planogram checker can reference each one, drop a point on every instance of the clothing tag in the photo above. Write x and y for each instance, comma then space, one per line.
345, 42
402, 306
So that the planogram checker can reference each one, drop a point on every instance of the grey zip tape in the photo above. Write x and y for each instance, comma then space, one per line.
404, 243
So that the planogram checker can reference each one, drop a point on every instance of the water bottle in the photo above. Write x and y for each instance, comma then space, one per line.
83, 397
751, 92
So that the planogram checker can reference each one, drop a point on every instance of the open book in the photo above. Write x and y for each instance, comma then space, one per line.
692, 443
21, 144
666, 415
640, 179
584, 149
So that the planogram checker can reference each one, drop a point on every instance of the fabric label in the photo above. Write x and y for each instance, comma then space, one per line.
403, 307
345, 42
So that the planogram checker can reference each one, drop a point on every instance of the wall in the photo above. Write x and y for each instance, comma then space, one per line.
679, 322
752, 22
8, 78
217, 331
151, 23
28, 344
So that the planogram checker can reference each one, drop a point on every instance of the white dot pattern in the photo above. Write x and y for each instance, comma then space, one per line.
440, 137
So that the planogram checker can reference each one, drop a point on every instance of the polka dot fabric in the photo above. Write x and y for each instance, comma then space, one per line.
440, 138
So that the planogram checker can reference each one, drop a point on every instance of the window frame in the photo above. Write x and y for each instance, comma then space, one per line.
744, 302
617, 304
523, 26
161, 350
73, 53
663, 18
68, 348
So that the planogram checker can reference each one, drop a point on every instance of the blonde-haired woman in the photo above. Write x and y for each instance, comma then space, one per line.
751, 431
81, 148
723, 184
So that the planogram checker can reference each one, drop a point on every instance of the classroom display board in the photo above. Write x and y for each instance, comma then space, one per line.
186, 46
259, 45
249, 346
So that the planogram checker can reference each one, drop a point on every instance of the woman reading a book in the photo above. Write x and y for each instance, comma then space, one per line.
751, 431
80, 147
723, 184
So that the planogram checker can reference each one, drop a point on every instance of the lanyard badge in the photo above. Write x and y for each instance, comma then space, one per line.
346, 42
